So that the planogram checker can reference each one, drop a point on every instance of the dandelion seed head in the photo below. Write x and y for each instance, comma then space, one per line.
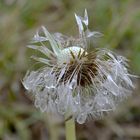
75, 80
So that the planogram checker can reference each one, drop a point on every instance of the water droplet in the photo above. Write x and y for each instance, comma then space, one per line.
81, 118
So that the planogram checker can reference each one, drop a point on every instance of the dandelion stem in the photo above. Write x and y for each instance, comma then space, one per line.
70, 129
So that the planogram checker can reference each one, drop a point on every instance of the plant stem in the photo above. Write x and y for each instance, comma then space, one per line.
70, 129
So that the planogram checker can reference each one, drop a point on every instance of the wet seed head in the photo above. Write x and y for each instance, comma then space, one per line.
87, 83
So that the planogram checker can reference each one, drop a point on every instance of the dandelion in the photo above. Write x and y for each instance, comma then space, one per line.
77, 80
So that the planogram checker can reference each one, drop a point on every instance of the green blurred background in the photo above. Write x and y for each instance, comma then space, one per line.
118, 20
